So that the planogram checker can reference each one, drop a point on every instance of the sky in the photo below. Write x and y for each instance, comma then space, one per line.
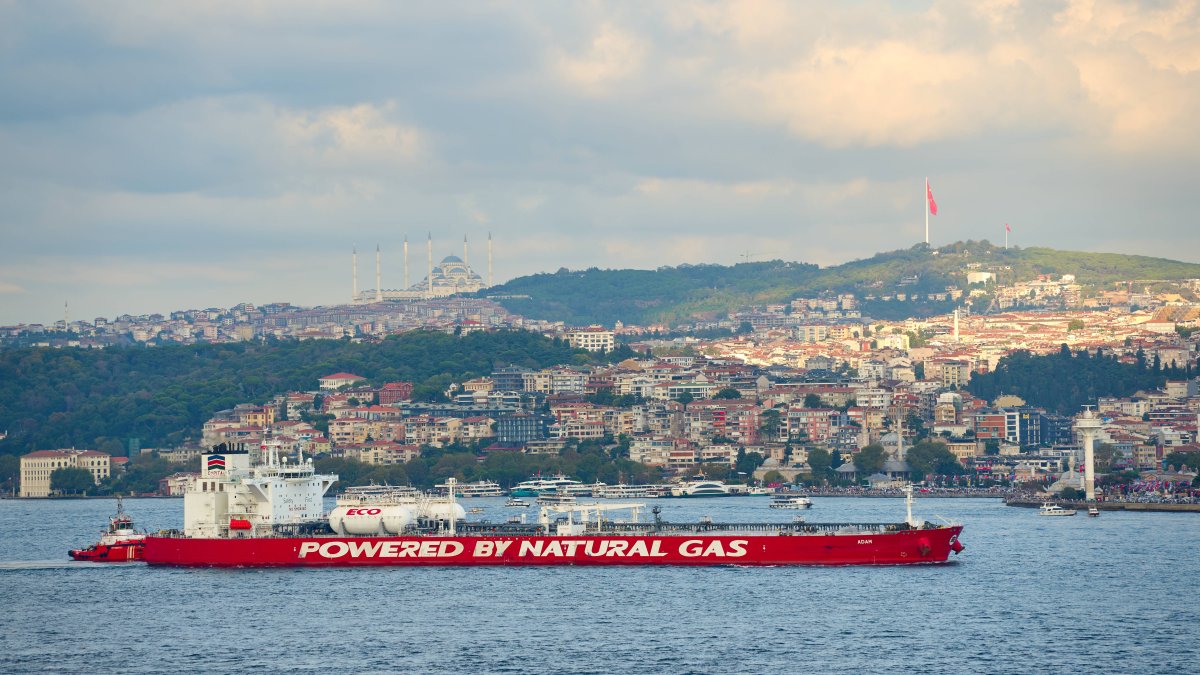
160, 156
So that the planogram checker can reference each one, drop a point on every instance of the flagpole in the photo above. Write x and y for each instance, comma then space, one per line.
925, 198
1006, 237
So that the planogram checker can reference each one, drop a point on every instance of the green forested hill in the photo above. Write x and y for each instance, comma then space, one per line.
675, 294
52, 398
643, 296
1063, 382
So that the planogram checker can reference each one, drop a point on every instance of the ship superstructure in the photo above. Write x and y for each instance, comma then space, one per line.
235, 496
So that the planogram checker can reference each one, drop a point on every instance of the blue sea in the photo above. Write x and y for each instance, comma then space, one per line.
1029, 595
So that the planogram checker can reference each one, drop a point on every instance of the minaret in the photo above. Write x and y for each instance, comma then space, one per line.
406, 262
489, 259
354, 283
466, 260
956, 324
1088, 426
378, 286
429, 287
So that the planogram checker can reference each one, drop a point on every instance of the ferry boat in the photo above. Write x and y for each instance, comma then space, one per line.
623, 491
538, 485
557, 498
1048, 509
788, 501
119, 543
269, 514
483, 488
704, 488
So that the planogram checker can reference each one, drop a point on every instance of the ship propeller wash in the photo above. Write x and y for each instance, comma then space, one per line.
270, 514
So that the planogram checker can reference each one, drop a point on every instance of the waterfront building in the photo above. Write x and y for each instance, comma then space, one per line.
36, 468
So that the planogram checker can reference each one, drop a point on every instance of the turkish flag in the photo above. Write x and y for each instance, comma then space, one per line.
1007, 228
929, 195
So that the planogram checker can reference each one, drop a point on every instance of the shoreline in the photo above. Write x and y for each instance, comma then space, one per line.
1028, 503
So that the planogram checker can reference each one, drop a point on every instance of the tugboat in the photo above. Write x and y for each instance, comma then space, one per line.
120, 543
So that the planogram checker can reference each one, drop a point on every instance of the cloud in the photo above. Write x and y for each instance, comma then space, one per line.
7, 288
611, 56
219, 150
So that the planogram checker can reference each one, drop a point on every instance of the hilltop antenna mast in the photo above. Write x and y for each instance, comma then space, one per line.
429, 285
489, 259
406, 262
466, 260
378, 286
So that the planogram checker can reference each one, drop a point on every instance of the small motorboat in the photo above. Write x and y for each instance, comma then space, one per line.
120, 543
1093, 511
516, 503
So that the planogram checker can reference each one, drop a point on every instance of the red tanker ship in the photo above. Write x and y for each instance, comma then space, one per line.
270, 515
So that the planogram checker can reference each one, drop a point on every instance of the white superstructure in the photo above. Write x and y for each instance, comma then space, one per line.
233, 496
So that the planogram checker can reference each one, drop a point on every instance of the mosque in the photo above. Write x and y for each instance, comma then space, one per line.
453, 275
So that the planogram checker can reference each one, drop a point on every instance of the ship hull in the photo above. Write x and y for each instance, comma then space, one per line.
120, 552
918, 546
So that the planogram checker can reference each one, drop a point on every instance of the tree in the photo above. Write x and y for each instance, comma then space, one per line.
869, 460
769, 423
71, 481
748, 462
991, 447
813, 401
10, 472
685, 398
820, 461
142, 474
931, 457
1181, 459
1075, 324
728, 392
1103, 457
771, 477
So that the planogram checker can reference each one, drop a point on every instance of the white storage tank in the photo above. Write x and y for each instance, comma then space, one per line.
443, 511
369, 519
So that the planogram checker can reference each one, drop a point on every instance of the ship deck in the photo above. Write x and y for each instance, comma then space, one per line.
608, 529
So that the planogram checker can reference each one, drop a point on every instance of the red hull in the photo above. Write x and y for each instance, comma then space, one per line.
122, 552
892, 548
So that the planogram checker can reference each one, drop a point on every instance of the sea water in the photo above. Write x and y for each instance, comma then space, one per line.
1029, 594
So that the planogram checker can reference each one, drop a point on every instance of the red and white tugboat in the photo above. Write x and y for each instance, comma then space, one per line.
120, 543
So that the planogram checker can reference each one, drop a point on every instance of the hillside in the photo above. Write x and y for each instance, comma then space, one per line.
57, 398
677, 294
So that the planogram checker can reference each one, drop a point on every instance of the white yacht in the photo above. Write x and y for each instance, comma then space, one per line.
1049, 509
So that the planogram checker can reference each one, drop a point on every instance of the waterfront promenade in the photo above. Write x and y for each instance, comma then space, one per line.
1029, 501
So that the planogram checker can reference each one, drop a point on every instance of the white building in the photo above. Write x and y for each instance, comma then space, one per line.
592, 338
36, 468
